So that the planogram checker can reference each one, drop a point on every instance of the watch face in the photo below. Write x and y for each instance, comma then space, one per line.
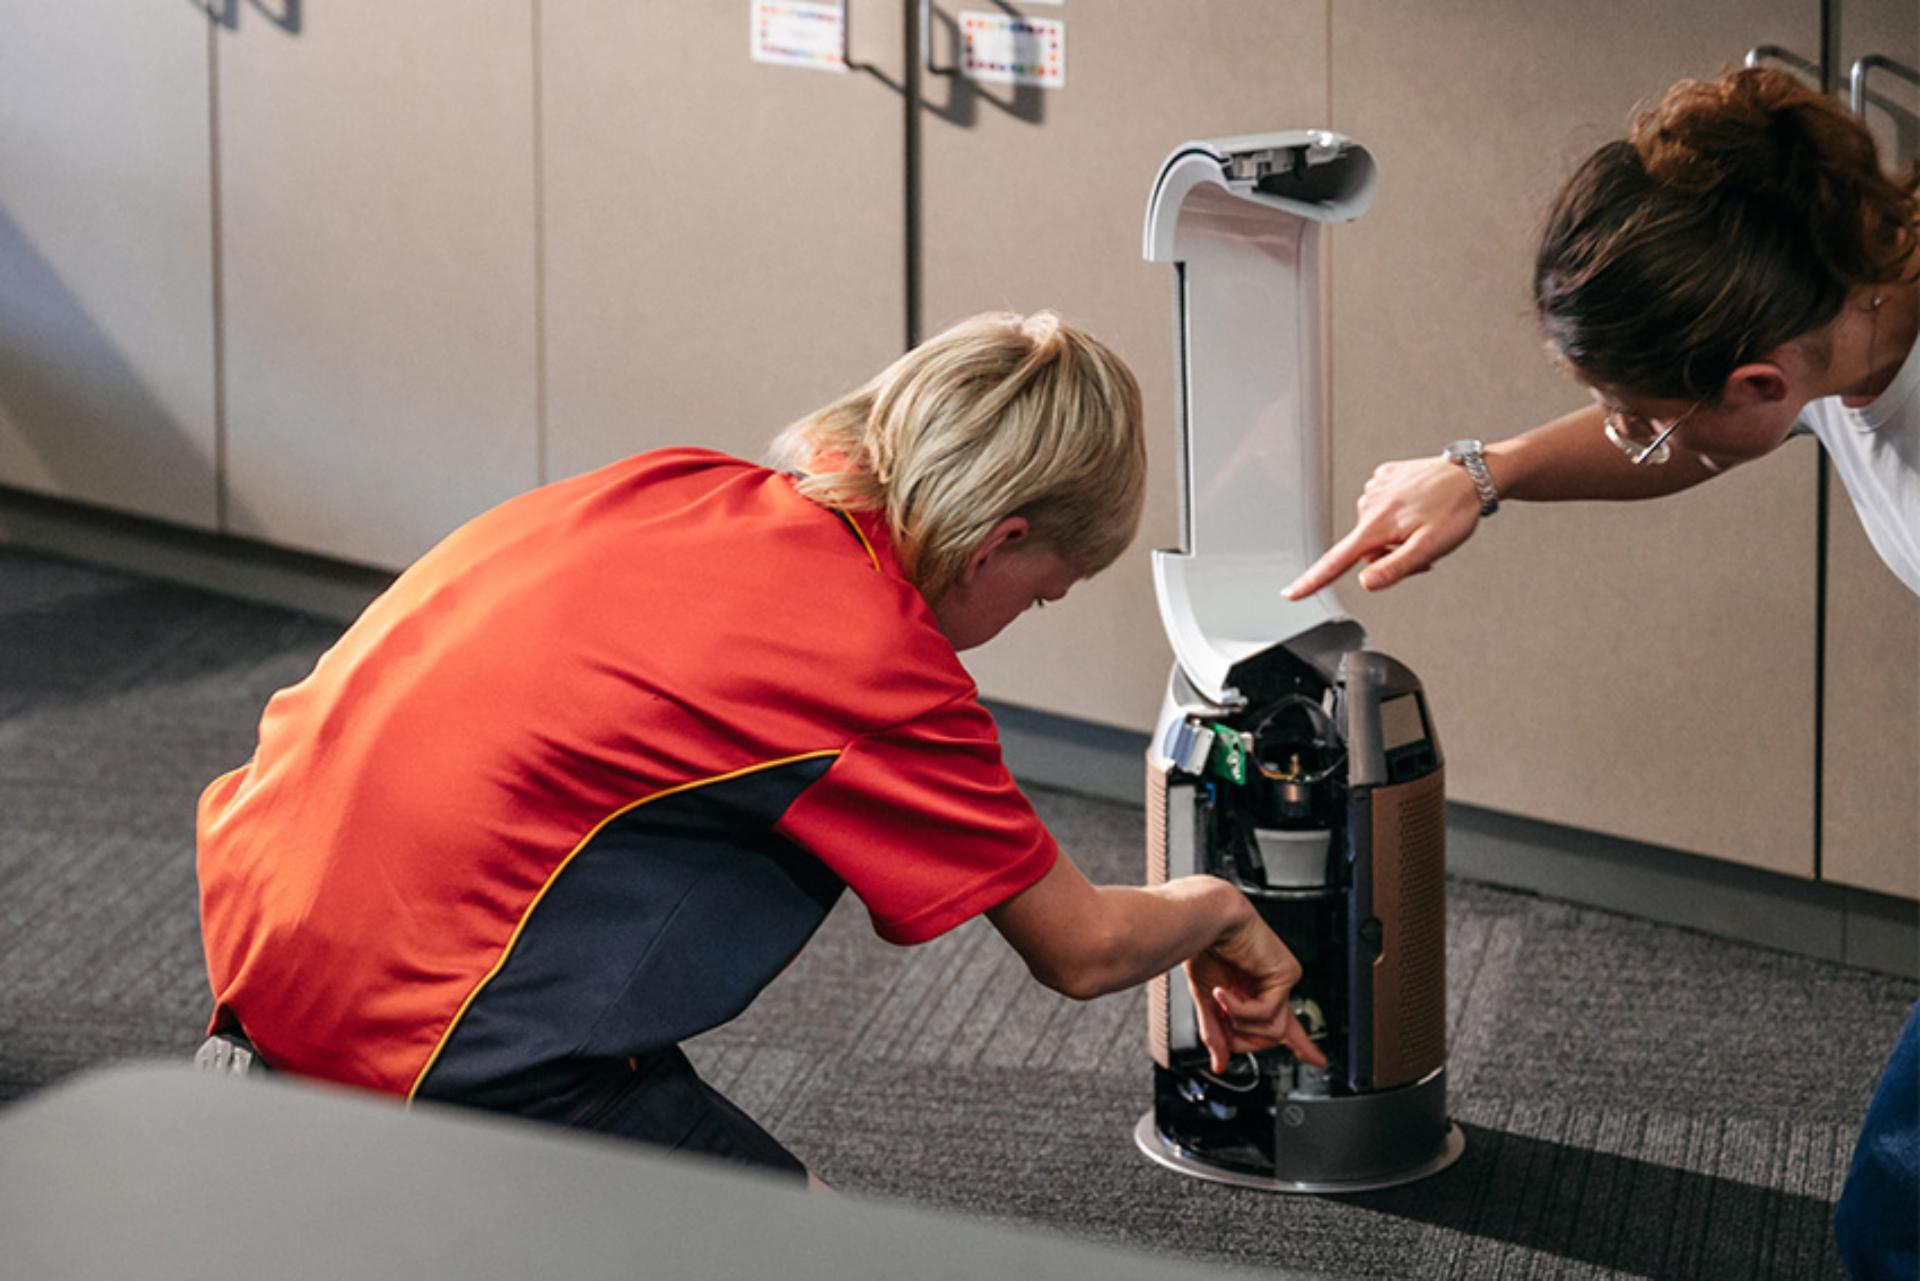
1463, 449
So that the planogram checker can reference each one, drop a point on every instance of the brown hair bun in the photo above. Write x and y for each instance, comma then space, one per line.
1766, 136
1735, 217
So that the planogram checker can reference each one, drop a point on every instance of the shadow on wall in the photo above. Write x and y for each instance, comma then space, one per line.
284, 14
1635, 1217
71, 399
964, 96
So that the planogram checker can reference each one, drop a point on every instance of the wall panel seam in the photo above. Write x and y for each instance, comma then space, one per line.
1823, 508
911, 171
217, 283
542, 459
1328, 360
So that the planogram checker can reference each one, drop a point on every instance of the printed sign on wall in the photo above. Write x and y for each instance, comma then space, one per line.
790, 33
1003, 49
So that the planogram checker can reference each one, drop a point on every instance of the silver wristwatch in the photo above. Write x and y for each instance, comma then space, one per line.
1471, 454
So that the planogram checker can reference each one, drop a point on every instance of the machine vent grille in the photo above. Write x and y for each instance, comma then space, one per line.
1156, 824
1410, 898
1157, 1015
1157, 993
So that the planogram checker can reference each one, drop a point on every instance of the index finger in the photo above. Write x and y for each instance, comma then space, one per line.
1260, 1014
1213, 1029
1296, 1039
1268, 1006
1341, 557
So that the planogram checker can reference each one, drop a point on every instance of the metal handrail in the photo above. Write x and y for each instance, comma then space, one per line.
1857, 78
1780, 53
926, 42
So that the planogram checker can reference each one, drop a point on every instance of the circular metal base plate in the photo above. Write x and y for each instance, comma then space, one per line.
1146, 1136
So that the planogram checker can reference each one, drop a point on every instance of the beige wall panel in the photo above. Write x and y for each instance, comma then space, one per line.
1871, 815
106, 256
379, 254
1645, 671
724, 238
1046, 210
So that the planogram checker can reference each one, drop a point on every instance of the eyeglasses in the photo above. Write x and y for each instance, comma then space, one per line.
1643, 439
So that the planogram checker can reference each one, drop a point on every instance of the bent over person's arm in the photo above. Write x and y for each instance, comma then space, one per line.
1085, 940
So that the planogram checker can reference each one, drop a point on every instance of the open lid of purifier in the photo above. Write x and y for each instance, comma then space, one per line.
1240, 220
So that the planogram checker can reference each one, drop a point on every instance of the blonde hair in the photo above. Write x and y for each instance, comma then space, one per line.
1002, 415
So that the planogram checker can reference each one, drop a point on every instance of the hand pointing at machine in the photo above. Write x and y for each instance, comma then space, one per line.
1417, 510
1410, 515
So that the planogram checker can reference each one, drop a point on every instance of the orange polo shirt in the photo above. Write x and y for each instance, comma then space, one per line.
587, 776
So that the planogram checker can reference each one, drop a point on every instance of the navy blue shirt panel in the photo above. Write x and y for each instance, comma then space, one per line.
667, 923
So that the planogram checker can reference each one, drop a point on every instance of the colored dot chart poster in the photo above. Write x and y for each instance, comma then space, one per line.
792, 34
1003, 49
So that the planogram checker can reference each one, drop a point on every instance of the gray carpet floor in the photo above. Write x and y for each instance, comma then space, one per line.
1638, 1100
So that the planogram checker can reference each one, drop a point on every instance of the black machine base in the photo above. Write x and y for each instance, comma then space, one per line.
1357, 1143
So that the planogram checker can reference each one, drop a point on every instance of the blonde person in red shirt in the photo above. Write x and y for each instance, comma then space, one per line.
593, 770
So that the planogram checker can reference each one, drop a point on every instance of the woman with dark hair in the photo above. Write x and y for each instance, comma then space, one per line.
1738, 270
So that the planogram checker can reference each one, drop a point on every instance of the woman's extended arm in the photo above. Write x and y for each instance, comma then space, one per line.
1086, 940
1415, 511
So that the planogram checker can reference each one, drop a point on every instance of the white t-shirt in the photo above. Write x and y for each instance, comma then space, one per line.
1876, 453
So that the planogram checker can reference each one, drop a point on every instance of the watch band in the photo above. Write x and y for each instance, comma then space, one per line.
1471, 454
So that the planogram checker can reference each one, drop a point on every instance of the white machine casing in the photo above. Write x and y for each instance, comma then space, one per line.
1288, 758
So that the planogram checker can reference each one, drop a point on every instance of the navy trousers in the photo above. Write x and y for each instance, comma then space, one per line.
663, 1102
1877, 1223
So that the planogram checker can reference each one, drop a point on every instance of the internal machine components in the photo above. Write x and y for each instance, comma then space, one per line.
1289, 759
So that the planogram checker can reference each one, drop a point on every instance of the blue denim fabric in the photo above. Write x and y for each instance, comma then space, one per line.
1877, 1223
